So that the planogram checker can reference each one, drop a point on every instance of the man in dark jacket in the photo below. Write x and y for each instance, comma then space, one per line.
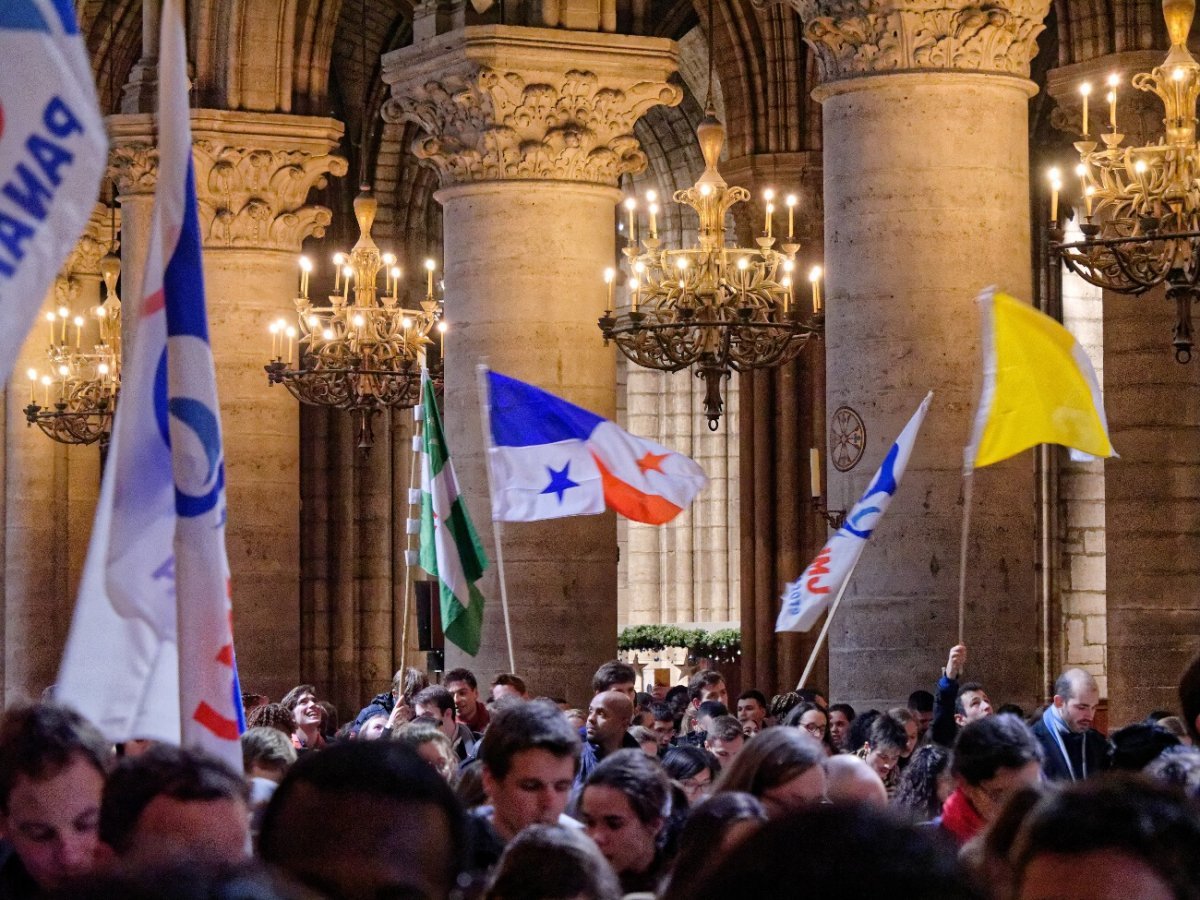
1074, 750
956, 704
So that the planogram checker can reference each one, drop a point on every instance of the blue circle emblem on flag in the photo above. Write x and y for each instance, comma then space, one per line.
195, 430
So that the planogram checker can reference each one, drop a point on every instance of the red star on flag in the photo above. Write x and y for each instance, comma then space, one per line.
652, 462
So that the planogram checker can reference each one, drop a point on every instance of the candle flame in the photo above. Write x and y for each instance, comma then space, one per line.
814, 274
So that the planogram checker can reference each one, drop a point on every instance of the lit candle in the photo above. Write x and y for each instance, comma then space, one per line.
274, 329
768, 196
791, 205
429, 266
1055, 186
814, 277
291, 336
46, 391
1087, 199
347, 274
610, 275
634, 288
770, 217
1113, 81
653, 220
814, 471
441, 327
786, 283
1085, 91
338, 259
396, 273
33, 376
630, 207
64, 314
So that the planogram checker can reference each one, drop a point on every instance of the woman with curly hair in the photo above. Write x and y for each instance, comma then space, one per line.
925, 784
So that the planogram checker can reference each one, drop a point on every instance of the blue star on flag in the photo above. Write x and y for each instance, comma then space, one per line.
560, 481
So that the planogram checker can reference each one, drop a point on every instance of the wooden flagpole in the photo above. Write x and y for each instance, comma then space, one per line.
812, 657
485, 407
968, 485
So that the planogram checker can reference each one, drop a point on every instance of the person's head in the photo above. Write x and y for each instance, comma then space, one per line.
546, 861
725, 739
1135, 746
662, 723
782, 704
615, 675
432, 745
920, 704
1076, 697
52, 769
658, 692
850, 780
840, 717
529, 754
252, 701
272, 715
908, 722
508, 685
329, 719
677, 699
925, 783
781, 767
812, 695
752, 707
994, 757
407, 683
623, 807
1109, 839
576, 717
267, 753
366, 819
464, 689
860, 729
169, 805
812, 720
1178, 767
437, 703
693, 769
373, 728
1174, 725
707, 711
713, 828
301, 701
886, 740
972, 703
707, 685
1189, 698
609, 714
836, 851
646, 739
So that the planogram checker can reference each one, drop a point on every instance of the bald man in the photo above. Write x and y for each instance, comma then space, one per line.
606, 730
1073, 749
850, 780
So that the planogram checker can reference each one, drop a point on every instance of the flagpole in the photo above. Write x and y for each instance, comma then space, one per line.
485, 407
968, 485
812, 657
412, 476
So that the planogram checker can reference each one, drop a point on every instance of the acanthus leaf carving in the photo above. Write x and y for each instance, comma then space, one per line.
488, 125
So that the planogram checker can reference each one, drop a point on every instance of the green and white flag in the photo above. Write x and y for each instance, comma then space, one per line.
450, 548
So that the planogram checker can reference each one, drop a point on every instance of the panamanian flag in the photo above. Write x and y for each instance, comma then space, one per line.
826, 576
550, 458
150, 652
53, 150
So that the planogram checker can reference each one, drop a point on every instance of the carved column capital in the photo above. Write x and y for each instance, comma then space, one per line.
852, 38
504, 103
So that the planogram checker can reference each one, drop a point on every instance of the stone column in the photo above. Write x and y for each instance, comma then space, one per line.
253, 172
529, 130
924, 110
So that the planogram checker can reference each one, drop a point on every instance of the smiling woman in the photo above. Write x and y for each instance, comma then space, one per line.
304, 706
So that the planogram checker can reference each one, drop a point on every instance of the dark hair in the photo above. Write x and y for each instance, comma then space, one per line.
677, 698
461, 675
612, 672
860, 729
916, 795
513, 681
702, 680
1013, 709
536, 725
185, 880
985, 746
702, 833
686, 761
637, 776
782, 704
292, 697
273, 715
545, 861
810, 695
1134, 747
382, 769
662, 712
1178, 767
469, 788
757, 696
920, 701
799, 711
1120, 813
714, 709
407, 682
1189, 696
886, 731
770, 759
845, 709
725, 728
965, 688
39, 740
861, 852
435, 695
162, 771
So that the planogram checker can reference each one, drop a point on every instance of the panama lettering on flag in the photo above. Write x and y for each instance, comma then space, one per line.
150, 651
1039, 387
450, 548
550, 458
53, 151
806, 598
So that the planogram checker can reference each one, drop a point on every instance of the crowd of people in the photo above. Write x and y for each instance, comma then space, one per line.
439, 790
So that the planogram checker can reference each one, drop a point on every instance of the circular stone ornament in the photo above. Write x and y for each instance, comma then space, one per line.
847, 438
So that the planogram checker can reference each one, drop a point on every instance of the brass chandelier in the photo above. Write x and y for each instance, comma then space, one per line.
1141, 204
713, 307
364, 350
79, 386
